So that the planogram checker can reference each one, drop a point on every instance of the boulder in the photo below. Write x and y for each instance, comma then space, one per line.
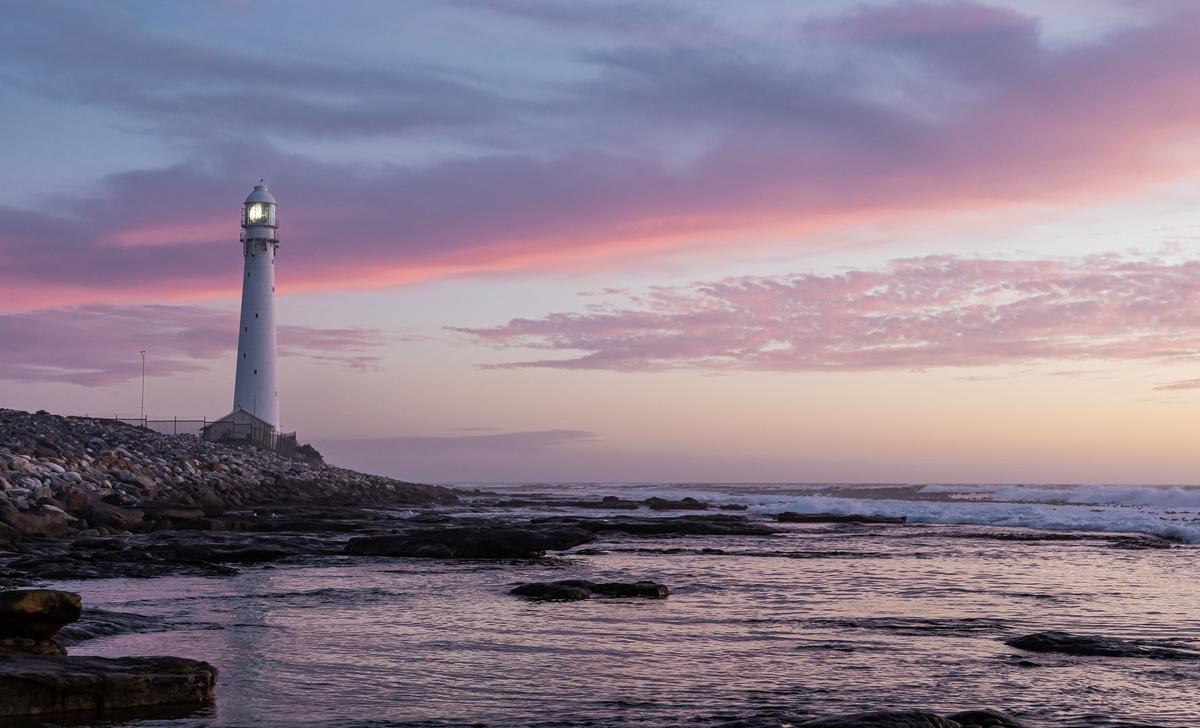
96, 686
1092, 645
36, 613
570, 590
472, 542
98, 513
39, 523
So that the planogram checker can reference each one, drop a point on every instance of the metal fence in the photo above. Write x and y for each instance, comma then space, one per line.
269, 438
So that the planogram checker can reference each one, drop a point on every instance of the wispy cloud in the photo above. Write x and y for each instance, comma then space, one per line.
1180, 384
916, 108
98, 345
925, 312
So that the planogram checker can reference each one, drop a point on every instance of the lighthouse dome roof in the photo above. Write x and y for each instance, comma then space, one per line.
260, 194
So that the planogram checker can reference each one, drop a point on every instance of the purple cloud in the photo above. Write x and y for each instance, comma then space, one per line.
653, 144
97, 345
915, 313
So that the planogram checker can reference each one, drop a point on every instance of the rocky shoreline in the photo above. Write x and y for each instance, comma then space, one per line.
88, 499
62, 476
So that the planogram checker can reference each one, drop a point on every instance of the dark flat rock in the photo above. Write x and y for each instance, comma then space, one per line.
98, 685
23, 646
472, 542
570, 590
1097, 646
916, 719
790, 517
36, 613
683, 504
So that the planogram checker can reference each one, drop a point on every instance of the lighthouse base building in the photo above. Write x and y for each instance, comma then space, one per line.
255, 415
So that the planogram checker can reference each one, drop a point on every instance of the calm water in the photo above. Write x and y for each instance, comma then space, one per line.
822, 620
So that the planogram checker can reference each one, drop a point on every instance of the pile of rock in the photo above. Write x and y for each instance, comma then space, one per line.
38, 678
64, 475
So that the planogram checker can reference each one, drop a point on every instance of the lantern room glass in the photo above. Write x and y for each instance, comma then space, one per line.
258, 213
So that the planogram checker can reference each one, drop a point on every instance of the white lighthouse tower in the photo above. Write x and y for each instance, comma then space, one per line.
256, 390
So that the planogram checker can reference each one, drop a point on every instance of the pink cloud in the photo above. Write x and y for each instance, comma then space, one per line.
915, 313
994, 117
97, 345
1178, 385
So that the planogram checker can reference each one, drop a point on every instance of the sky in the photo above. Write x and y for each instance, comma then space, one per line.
624, 240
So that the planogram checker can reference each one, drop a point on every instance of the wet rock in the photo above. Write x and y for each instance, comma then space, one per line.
23, 647
717, 524
683, 504
472, 542
916, 719
562, 591
96, 686
9, 536
790, 517
36, 613
95, 623
578, 589
1096, 646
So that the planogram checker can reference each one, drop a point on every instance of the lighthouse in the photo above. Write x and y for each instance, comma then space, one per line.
256, 390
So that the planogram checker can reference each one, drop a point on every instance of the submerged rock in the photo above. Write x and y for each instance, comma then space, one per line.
96, 623
791, 517
716, 524
1096, 646
96, 686
472, 542
916, 719
570, 590
36, 614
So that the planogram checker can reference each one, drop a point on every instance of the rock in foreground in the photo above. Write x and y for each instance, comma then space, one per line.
571, 590
1094, 646
472, 542
36, 614
916, 719
97, 685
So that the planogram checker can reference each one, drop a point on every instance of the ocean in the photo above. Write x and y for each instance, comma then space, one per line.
822, 619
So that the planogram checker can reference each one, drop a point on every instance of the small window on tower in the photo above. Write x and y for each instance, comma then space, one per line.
243, 356
256, 371
255, 315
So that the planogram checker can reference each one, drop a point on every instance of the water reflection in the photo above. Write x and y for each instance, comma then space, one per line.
898, 622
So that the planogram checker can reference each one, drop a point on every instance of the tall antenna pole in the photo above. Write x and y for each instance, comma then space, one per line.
143, 405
